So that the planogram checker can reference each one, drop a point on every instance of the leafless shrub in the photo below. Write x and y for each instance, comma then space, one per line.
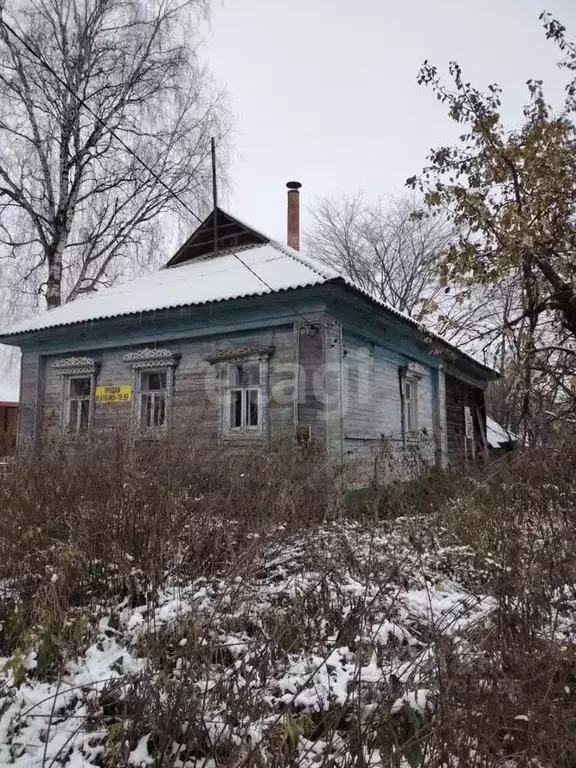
113, 518
442, 637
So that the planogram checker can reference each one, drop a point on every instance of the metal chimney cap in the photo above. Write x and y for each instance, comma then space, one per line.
293, 185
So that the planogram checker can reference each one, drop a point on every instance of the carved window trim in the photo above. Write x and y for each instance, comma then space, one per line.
409, 377
152, 360
76, 367
225, 360
241, 354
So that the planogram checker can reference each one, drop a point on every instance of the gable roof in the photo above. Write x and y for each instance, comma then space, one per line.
248, 263
232, 234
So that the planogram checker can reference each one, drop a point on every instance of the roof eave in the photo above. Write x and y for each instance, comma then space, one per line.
487, 372
21, 338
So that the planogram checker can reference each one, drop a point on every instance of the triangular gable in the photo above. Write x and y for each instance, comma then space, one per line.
232, 234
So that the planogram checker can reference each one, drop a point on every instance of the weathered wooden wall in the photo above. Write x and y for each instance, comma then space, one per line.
196, 406
458, 395
372, 408
335, 369
311, 360
31, 393
193, 332
319, 360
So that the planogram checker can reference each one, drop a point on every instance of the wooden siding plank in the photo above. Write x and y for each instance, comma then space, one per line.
196, 401
31, 381
458, 395
372, 400
311, 371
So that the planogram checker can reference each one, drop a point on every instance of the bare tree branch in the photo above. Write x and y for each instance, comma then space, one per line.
76, 208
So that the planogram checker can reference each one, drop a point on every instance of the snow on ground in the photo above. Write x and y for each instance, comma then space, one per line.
347, 615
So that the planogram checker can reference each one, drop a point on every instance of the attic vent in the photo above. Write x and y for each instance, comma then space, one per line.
232, 235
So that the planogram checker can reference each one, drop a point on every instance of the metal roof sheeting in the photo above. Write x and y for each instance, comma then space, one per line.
263, 269
496, 435
222, 278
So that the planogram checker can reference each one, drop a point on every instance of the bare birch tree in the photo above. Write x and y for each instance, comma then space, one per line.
392, 249
77, 208
386, 247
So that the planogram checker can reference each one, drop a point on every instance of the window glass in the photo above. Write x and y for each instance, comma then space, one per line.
84, 415
153, 380
153, 399
152, 409
243, 395
73, 415
235, 408
247, 374
80, 387
252, 408
79, 396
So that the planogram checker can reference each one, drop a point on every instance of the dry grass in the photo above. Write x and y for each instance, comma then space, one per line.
262, 537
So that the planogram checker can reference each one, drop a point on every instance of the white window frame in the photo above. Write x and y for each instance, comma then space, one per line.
142, 393
156, 360
77, 368
70, 398
223, 359
411, 403
231, 387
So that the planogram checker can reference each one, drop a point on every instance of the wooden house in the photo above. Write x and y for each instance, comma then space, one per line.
247, 341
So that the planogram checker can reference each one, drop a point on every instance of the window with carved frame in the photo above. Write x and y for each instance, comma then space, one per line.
153, 386
79, 384
79, 404
153, 398
242, 373
243, 398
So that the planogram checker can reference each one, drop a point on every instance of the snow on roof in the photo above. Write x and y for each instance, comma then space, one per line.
265, 269
250, 271
9, 390
497, 435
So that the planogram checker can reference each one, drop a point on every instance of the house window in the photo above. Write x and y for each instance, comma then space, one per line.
79, 403
153, 383
411, 406
78, 389
244, 397
153, 399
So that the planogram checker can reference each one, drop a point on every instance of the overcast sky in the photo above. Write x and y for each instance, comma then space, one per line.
325, 91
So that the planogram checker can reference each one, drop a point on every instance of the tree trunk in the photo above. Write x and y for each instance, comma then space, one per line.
54, 281
563, 297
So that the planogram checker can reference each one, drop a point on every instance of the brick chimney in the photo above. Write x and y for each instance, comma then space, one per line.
294, 214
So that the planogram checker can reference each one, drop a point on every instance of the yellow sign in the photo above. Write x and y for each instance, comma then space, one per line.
113, 395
